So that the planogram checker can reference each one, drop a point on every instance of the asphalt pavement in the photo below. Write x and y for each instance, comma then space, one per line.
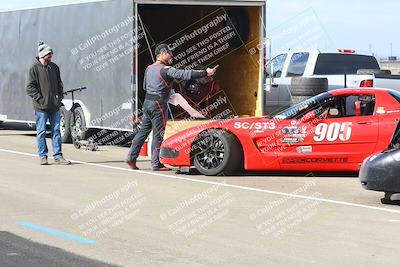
98, 212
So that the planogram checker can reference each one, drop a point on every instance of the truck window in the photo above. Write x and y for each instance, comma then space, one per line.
297, 64
277, 66
333, 63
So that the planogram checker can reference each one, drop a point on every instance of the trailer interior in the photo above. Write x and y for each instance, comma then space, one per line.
204, 36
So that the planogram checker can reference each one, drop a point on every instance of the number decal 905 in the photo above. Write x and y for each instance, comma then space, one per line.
333, 132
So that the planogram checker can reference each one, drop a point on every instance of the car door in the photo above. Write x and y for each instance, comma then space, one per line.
334, 142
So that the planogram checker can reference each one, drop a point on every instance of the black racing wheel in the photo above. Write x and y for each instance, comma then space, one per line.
217, 152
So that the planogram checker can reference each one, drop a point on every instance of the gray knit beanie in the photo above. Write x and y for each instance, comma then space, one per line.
44, 49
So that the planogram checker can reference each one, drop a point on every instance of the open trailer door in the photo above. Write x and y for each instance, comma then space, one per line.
204, 34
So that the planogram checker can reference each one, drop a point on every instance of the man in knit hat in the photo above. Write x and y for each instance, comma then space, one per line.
45, 87
157, 83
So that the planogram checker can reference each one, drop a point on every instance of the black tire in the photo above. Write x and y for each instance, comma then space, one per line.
79, 126
372, 71
387, 200
217, 152
1, 122
65, 125
301, 86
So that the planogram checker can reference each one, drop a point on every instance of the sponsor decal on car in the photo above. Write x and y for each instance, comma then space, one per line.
314, 160
292, 140
291, 130
304, 149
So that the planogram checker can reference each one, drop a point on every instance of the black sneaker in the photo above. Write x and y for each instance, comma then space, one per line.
161, 168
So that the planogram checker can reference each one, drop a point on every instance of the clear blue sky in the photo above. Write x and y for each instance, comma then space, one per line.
361, 25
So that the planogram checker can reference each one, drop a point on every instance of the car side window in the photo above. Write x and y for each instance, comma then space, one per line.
297, 64
277, 66
356, 105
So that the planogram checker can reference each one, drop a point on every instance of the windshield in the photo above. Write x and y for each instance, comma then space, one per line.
395, 94
299, 109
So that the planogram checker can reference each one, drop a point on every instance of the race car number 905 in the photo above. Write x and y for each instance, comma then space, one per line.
255, 125
332, 132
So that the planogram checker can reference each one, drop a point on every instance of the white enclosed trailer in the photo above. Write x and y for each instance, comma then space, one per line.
104, 46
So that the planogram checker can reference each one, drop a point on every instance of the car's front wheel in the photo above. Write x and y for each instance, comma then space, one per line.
217, 152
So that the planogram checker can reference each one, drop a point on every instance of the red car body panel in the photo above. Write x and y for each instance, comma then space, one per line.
326, 144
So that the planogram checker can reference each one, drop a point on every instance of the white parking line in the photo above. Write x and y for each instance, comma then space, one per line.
343, 203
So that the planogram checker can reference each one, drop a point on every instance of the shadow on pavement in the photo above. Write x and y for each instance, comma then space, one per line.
18, 251
16, 126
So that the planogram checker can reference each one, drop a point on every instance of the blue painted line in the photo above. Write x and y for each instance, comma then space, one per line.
56, 233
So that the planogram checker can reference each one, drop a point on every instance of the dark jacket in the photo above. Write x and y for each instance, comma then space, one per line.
159, 77
44, 86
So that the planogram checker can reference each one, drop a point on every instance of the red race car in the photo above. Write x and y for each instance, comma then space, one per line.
333, 131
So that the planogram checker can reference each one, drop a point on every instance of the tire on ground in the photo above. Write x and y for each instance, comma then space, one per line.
233, 154
79, 126
301, 86
372, 71
65, 125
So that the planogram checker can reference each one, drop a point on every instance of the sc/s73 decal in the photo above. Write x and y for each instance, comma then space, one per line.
255, 125
332, 132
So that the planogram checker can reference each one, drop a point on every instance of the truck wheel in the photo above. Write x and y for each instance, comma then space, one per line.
217, 152
79, 127
372, 71
65, 125
301, 86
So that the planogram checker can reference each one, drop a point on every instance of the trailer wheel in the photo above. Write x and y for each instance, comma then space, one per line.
372, 71
78, 127
217, 152
65, 125
301, 86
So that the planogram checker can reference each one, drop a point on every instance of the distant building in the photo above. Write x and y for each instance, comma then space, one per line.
391, 63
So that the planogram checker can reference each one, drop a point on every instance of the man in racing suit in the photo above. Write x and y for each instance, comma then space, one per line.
157, 83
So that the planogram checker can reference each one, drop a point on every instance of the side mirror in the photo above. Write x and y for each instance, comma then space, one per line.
333, 112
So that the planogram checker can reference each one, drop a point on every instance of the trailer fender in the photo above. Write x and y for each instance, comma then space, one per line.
78, 103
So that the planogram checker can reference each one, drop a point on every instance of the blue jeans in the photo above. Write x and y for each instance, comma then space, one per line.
41, 120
